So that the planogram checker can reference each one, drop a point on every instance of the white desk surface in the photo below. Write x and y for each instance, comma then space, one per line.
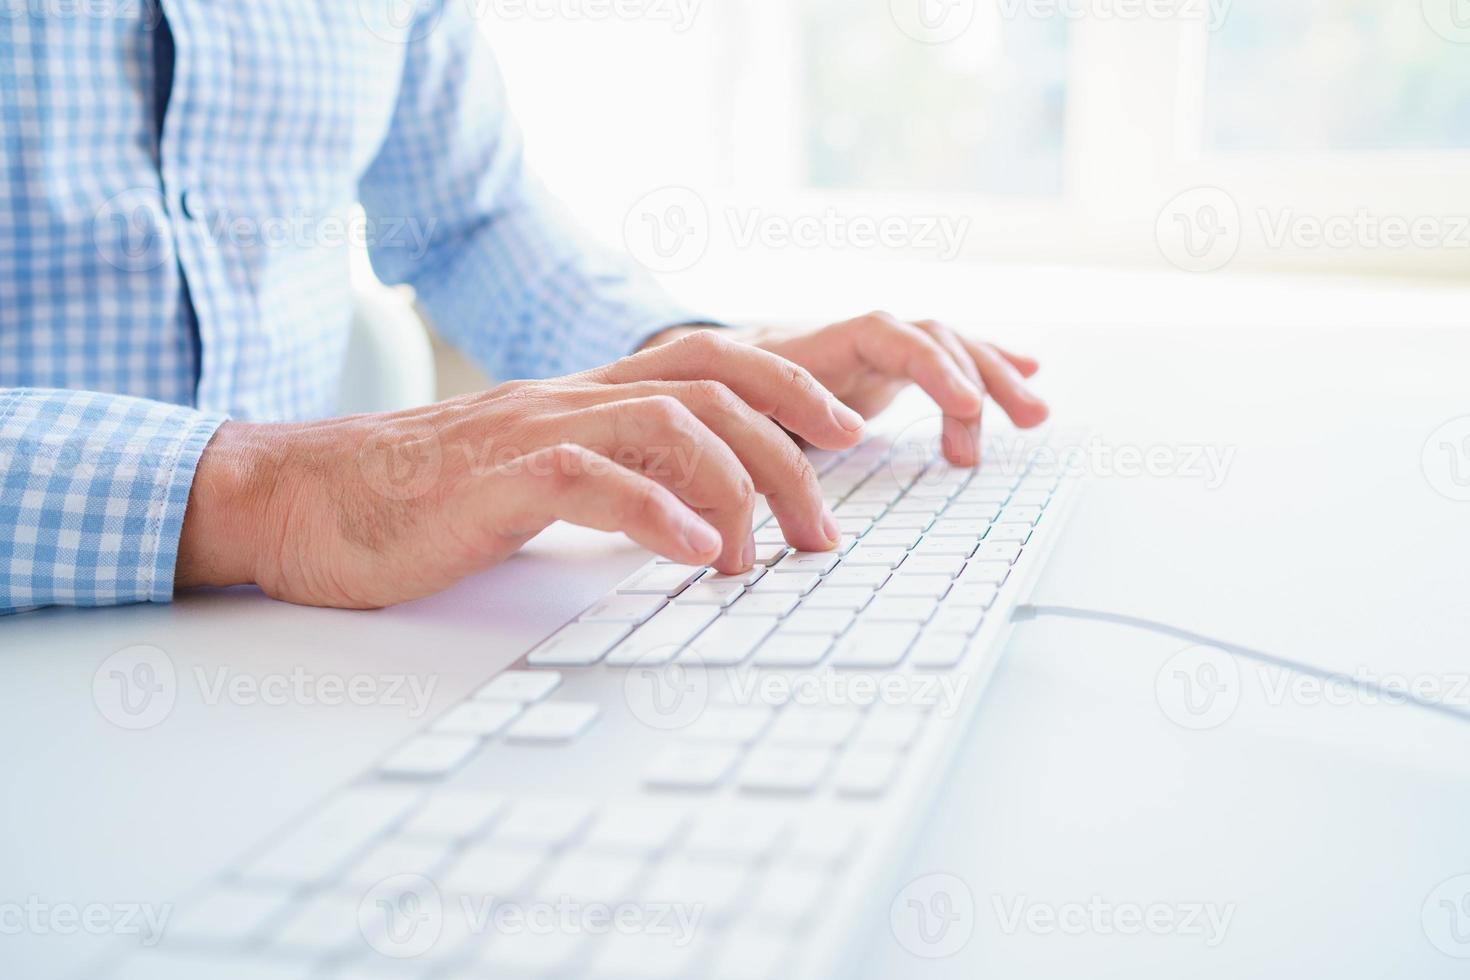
1325, 827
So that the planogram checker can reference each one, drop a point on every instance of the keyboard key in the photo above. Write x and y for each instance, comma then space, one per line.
946, 565
637, 829
747, 577
659, 640
1019, 515
690, 766
848, 575
958, 527
971, 593
660, 580
899, 608
875, 645
854, 525
900, 540
492, 869
1030, 498
523, 686
890, 728
705, 593
883, 557
920, 586
591, 878
938, 648
793, 650
553, 721
814, 726
956, 619
945, 547
482, 718
1019, 533
981, 514
326, 923
820, 562
829, 596
730, 724
623, 609
780, 769
767, 604
772, 553
902, 521
332, 835
794, 583
578, 645
739, 833
829, 622
1006, 551
547, 821
918, 505
454, 815
860, 508
716, 887
398, 857
862, 773
985, 572
728, 641
427, 756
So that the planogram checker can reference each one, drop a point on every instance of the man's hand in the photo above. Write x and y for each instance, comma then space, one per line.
669, 446
867, 361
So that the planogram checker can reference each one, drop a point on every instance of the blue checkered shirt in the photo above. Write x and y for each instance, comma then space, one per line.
163, 269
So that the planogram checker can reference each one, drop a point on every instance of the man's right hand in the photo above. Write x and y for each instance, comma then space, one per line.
669, 446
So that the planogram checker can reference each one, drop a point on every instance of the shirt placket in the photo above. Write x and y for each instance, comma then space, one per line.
194, 185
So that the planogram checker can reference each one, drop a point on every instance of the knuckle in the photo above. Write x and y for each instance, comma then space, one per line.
713, 393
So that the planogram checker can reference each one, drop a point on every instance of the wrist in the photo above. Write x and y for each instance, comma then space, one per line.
226, 521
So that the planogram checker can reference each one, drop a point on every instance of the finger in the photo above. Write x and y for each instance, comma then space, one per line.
902, 350
777, 467
770, 384
1004, 383
660, 437
960, 438
1026, 365
574, 484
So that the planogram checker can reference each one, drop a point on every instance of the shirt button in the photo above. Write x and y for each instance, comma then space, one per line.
192, 204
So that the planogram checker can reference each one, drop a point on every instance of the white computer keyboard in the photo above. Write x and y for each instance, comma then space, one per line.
702, 776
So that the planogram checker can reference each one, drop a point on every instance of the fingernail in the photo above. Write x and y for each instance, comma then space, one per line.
747, 557
846, 417
701, 538
830, 527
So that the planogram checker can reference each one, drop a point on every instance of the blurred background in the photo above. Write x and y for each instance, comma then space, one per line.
779, 160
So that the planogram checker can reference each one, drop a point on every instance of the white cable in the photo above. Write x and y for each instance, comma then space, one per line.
1392, 695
